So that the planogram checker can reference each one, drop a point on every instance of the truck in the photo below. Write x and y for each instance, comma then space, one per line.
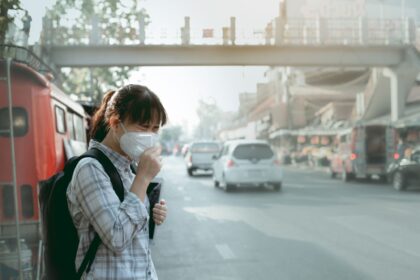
365, 150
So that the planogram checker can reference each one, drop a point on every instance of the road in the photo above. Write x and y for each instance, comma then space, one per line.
314, 228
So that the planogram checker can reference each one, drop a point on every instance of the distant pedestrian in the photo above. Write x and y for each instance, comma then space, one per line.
125, 129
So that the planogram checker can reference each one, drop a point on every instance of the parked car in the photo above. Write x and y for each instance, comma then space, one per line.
200, 156
244, 163
406, 171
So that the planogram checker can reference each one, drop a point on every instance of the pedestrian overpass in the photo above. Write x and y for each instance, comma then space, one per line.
389, 46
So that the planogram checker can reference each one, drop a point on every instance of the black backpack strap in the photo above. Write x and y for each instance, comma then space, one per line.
118, 186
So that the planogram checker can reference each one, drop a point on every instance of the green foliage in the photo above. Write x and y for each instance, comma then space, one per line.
71, 22
5, 17
209, 115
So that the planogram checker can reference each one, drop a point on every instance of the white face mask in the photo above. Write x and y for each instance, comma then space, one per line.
135, 143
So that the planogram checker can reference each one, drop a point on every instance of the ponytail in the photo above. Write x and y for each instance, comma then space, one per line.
100, 125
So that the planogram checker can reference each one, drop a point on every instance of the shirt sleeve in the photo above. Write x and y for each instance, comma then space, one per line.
116, 222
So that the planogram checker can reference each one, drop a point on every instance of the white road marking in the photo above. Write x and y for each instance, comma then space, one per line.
225, 251
201, 218
180, 189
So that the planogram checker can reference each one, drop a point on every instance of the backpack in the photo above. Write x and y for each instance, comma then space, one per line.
59, 233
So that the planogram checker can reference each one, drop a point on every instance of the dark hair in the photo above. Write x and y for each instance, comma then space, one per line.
136, 103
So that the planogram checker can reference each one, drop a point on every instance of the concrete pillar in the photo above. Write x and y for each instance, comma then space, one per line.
397, 101
226, 35
280, 26
142, 29
409, 31
321, 30
362, 30
95, 32
185, 31
233, 30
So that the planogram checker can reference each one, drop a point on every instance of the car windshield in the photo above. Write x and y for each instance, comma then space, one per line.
253, 151
205, 148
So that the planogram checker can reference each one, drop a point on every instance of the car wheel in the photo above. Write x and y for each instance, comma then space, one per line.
215, 182
398, 181
190, 172
277, 187
346, 177
229, 187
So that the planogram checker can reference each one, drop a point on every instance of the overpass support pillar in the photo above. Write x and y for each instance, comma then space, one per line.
402, 79
397, 101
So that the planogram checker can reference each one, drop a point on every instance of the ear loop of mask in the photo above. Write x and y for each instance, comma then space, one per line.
123, 127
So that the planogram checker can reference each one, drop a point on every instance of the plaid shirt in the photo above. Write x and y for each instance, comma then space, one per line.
123, 227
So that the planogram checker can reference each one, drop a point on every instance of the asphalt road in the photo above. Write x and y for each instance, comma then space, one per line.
314, 228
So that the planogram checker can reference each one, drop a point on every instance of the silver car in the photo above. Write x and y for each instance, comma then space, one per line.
200, 156
247, 163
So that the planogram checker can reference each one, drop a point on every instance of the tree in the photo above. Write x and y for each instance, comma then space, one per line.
70, 22
209, 115
5, 17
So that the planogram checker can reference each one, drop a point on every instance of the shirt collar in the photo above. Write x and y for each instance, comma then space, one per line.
119, 161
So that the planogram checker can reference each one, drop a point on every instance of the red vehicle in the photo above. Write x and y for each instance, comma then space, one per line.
47, 127
364, 151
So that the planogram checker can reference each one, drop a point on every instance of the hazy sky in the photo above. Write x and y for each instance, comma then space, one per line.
181, 87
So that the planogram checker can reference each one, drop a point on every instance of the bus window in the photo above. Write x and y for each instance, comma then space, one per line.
60, 120
20, 122
70, 126
79, 128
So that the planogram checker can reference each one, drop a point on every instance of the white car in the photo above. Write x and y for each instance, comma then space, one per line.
247, 163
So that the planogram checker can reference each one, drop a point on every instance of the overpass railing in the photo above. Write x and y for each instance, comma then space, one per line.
294, 31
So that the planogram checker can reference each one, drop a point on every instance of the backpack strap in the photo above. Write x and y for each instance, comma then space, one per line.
118, 186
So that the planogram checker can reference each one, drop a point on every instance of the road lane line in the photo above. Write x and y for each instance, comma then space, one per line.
200, 218
225, 251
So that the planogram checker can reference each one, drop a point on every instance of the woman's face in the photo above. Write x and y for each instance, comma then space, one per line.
118, 130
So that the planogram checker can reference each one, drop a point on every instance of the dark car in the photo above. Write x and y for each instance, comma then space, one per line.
406, 172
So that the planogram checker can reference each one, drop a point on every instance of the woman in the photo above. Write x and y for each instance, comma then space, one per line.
127, 117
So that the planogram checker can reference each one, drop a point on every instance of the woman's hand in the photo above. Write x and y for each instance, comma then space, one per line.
149, 166
150, 163
159, 212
